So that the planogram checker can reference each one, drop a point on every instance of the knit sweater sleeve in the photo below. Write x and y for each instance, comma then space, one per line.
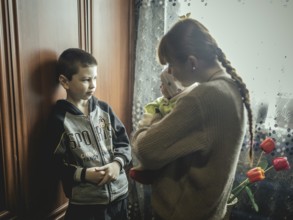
178, 134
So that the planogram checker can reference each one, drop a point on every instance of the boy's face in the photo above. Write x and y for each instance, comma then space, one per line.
82, 85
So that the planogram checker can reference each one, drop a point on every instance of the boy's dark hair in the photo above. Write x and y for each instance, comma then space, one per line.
71, 59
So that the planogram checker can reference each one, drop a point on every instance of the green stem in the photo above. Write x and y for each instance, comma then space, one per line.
259, 158
269, 168
237, 192
235, 195
240, 185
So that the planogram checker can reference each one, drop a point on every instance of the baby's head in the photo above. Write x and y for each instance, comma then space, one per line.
168, 87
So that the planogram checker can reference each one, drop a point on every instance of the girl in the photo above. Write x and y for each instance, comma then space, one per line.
197, 145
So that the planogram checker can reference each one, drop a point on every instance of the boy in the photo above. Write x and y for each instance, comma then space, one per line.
91, 144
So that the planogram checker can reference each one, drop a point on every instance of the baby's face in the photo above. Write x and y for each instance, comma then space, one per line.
164, 91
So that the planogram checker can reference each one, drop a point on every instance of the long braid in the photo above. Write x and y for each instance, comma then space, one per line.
243, 92
190, 37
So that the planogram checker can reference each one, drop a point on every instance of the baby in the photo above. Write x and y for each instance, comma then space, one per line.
155, 111
160, 107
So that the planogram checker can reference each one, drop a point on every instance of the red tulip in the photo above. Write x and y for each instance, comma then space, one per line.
255, 174
281, 163
268, 145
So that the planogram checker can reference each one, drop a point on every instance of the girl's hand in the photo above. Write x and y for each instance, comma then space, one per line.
139, 167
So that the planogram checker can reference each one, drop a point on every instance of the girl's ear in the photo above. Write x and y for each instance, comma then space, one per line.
193, 62
63, 81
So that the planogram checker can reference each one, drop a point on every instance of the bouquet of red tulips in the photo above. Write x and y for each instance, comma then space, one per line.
258, 173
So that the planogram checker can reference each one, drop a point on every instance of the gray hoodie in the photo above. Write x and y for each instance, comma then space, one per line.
81, 142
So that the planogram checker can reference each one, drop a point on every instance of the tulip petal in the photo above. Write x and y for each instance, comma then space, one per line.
268, 145
281, 163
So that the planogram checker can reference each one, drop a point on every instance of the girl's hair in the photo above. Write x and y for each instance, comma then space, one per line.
189, 37
71, 59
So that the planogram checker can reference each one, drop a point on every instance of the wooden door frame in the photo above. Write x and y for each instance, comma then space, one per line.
13, 125
10, 121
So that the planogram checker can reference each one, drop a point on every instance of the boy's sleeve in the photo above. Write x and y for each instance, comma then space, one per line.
60, 161
121, 145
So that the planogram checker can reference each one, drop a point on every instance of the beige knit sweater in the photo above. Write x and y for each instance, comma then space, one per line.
196, 147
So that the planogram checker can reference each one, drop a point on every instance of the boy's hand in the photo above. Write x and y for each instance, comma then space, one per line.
94, 176
112, 171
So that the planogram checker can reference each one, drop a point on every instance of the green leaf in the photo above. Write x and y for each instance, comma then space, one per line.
263, 164
251, 197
